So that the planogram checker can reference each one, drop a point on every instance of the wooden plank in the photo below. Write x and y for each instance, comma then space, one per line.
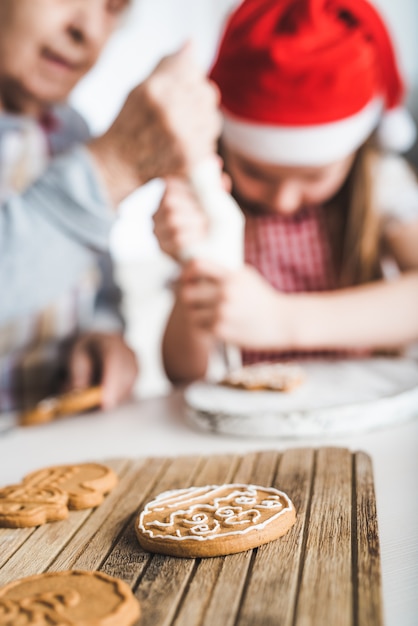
127, 560
326, 570
218, 470
30, 560
10, 542
53, 538
368, 599
326, 593
225, 601
275, 572
165, 578
90, 545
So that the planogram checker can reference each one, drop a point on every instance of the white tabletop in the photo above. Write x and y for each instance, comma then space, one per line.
156, 427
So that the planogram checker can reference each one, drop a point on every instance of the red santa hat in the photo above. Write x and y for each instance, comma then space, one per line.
305, 82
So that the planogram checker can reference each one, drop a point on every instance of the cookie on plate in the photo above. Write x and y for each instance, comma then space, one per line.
75, 598
267, 376
214, 520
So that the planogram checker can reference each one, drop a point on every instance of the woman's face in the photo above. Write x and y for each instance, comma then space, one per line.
46, 46
281, 189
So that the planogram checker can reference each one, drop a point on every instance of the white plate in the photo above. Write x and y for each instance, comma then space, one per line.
337, 397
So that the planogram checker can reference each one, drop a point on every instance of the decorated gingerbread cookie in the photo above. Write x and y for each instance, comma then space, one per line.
214, 520
268, 376
71, 598
46, 495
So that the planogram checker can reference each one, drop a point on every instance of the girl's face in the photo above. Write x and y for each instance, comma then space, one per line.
46, 46
281, 189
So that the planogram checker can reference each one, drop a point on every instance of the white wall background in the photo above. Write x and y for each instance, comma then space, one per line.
152, 29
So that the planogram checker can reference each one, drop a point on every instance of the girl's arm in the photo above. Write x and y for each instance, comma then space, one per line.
185, 347
240, 308
379, 315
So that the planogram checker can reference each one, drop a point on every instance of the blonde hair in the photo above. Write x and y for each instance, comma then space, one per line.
354, 224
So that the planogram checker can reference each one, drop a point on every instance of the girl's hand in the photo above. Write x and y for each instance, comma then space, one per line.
179, 221
238, 307
105, 359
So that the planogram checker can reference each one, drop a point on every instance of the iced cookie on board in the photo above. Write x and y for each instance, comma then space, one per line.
214, 520
71, 598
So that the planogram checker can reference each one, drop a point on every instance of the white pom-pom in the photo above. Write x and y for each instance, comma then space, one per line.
396, 131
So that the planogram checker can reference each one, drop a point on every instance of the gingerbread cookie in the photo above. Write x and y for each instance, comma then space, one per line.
214, 520
47, 494
86, 484
268, 376
69, 403
71, 598
23, 506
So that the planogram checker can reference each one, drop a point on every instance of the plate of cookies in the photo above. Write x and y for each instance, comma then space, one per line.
313, 398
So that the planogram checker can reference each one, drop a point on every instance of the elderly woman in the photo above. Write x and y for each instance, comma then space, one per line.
59, 189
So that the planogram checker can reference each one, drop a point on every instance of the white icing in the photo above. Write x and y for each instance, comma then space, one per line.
203, 513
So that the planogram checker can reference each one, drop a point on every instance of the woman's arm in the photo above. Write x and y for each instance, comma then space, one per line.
49, 234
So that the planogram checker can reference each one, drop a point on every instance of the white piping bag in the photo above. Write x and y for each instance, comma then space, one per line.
224, 243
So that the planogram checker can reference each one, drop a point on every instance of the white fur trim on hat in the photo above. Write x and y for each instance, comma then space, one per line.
396, 131
302, 145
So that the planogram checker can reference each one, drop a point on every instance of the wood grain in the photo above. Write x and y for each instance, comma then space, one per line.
367, 573
325, 595
325, 570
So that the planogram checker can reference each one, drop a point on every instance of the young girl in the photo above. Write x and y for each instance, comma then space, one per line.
311, 99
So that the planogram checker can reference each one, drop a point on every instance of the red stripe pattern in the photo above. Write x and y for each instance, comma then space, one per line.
294, 254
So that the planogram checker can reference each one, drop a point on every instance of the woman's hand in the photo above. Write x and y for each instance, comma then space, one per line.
168, 124
238, 307
104, 359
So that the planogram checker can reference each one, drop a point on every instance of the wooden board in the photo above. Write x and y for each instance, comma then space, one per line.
326, 570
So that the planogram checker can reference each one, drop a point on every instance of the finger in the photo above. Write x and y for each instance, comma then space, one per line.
181, 62
199, 295
111, 384
226, 182
80, 368
203, 319
186, 53
201, 269
119, 372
